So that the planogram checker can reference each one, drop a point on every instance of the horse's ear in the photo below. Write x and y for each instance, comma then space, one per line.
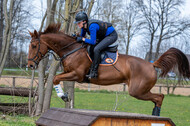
31, 34
36, 33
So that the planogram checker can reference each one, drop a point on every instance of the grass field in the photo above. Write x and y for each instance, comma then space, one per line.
175, 107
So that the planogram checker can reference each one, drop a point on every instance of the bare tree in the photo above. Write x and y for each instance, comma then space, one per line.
20, 20
1, 23
7, 32
53, 68
162, 22
151, 23
44, 94
170, 24
132, 23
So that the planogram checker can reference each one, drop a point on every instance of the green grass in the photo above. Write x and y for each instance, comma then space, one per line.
19, 120
175, 107
19, 73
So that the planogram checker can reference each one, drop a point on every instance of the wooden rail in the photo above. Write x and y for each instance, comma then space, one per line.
170, 86
24, 92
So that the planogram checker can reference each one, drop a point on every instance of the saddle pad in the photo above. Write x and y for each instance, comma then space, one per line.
107, 58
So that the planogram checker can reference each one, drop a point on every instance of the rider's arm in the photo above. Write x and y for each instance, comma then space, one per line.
83, 32
93, 30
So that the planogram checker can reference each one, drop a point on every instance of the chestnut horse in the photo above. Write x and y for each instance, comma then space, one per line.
138, 74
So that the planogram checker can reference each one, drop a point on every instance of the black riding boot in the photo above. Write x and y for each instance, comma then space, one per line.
93, 71
94, 67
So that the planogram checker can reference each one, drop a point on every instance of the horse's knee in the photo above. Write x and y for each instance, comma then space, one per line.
55, 80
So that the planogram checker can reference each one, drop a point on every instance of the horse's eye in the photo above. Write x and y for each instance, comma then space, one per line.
33, 46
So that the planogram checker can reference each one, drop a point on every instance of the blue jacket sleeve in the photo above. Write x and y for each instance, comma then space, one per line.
83, 32
93, 30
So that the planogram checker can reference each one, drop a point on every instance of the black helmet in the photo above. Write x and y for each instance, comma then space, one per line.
81, 16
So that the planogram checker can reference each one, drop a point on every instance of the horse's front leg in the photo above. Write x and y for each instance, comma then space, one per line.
71, 76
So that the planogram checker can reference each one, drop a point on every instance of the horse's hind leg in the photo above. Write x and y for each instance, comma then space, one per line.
142, 92
156, 99
158, 103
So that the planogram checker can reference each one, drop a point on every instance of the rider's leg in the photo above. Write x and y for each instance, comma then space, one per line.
108, 40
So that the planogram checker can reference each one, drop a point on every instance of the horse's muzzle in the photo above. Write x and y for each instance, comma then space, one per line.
32, 66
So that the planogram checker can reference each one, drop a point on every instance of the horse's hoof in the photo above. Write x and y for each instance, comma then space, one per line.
65, 97
156, 111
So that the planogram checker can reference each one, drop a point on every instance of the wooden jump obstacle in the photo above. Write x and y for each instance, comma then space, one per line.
78, 117
19, 108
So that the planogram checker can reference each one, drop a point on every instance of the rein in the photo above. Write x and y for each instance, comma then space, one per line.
69, 53
58, 59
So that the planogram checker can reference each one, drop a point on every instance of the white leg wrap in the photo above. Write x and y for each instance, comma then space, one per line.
59, 90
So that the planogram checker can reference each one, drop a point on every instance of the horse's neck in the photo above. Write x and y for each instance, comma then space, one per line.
58, 42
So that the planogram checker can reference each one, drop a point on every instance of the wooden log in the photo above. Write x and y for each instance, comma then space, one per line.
24, 92
14, 104
10, 109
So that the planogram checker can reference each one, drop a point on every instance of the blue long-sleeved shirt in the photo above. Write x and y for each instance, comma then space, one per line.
94, 27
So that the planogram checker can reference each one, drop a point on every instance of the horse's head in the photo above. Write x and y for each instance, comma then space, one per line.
37, 50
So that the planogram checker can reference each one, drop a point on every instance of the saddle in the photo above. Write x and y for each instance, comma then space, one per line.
108, 56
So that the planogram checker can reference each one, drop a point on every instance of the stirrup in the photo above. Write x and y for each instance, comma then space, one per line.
93, 74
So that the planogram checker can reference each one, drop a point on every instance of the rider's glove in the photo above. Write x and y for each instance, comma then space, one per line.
74, 35
79, 39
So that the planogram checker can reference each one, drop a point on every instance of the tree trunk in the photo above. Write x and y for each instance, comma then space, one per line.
90, 7
41, 76
128, 40
69, 87
151, 46
52, 71
53, 68
59, 13
7, 33
48, 19
30, 93
66, 16
1, 25
74, 8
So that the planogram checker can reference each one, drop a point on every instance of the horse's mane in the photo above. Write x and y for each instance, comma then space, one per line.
55, 28
52, 28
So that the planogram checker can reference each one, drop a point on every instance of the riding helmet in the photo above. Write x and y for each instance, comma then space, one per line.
81, 16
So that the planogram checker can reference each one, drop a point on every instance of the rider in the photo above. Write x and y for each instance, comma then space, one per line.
102, 34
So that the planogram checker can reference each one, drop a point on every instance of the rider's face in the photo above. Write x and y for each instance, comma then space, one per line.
80, 24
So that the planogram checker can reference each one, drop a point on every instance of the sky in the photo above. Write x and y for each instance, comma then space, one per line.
40, 8
186, 8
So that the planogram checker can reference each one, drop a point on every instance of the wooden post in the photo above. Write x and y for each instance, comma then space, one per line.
69, 88
30, 93
160, 89
168, 90
14, 82
89, 87
124, 87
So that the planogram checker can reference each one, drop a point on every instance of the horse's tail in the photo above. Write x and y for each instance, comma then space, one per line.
171, 58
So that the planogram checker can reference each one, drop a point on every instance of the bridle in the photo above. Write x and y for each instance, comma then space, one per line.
38, 52
58, 59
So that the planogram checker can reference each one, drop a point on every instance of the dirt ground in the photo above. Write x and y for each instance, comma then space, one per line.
25, 82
